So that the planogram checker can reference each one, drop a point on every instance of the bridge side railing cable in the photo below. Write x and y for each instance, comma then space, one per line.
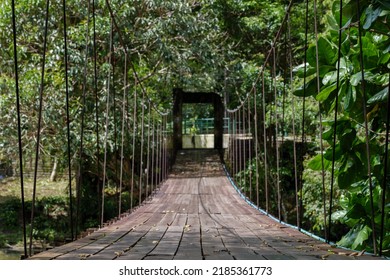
268, 139
153, 165
71, 222
255, 129
145, 173
79, 181
332, 182
320, 120
385, 177
96, 95
20, 146
268, 143
38, 131
366, 128
147, 159
106, 127
293, 117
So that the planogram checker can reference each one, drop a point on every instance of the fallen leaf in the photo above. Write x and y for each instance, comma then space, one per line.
324, 257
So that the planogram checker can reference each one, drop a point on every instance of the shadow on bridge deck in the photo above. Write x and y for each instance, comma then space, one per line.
197, 214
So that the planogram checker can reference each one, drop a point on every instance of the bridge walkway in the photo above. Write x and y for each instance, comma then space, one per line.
197, 214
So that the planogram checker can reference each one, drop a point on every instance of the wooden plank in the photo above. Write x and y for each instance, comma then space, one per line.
145, 245
169, 243
197, 214
211, 242
190, 246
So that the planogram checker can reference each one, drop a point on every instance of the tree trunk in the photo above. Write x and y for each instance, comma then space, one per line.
53, 176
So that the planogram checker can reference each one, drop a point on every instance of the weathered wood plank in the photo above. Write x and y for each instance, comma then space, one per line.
197, 214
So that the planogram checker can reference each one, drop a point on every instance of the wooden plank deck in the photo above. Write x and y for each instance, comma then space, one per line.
197, 214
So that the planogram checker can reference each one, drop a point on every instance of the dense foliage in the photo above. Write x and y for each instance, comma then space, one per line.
362, 81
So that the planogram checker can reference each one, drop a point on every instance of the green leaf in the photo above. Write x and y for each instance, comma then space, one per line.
379, 97
350, 98
309, 90
324, 94
300, 70
384, 59
328, 135
361, 236
329, 153
356, 212
356, 79
344, 180
347, 139
324, 69
330, 78
316, 163
327, 53
332, 22
355, 237
349, 11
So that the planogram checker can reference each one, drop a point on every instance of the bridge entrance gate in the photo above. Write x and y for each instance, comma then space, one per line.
183, 141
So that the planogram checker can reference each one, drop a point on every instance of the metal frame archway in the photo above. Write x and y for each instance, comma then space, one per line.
181, 97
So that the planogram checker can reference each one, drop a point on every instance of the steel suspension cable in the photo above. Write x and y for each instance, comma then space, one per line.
293, 125
111, 50
83, 106
120, 36
68, 120
335, 121
20, 146
236, 150
243, 149
284, 97
239, 142
160, 162
267, 58
276, 136
368, 150
250, 137
165, 157
138, 80
232, 121
284, 94
320, 119
134, 134
42, 85
141, 164
124, 103
158, 154
385, 175
230, 141
153, 155
95, 80
265, 145
114, 112
148, 152
303, 132
256, 147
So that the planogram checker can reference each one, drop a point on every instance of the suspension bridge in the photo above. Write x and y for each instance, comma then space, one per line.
197, 214
190, 200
